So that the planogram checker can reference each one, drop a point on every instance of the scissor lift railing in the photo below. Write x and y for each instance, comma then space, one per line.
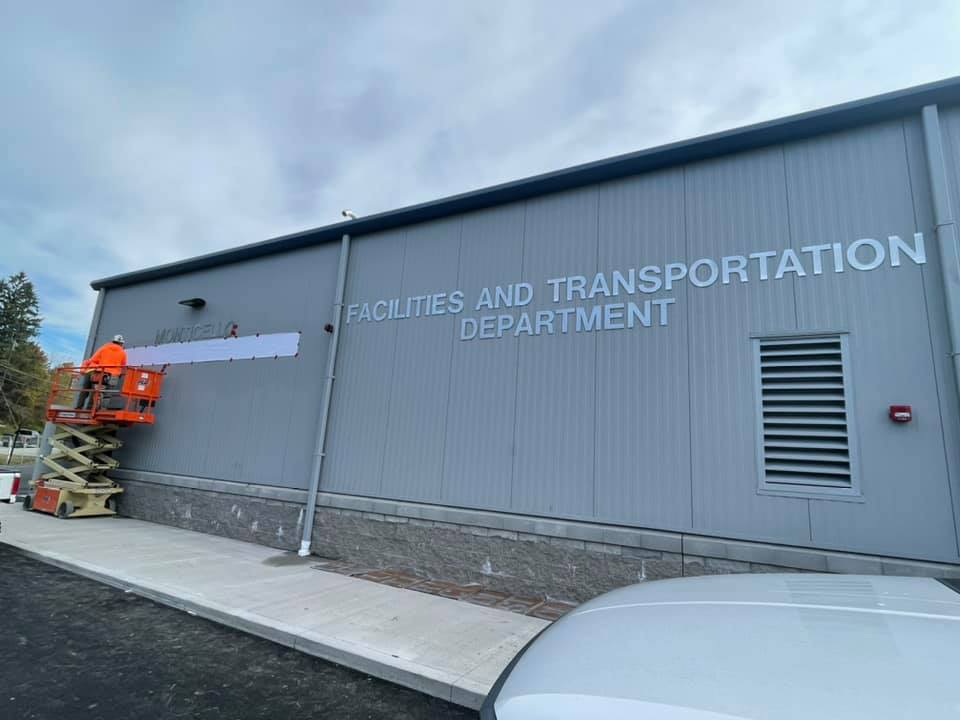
86, 421
120, 396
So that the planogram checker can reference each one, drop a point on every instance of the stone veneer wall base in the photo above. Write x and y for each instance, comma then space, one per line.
562, 560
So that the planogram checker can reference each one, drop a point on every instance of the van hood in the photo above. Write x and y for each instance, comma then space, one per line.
748, 646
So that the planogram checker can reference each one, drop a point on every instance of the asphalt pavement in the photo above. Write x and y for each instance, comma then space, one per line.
450, 649
72, 648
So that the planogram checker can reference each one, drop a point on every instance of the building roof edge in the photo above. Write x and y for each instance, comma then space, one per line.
815, 122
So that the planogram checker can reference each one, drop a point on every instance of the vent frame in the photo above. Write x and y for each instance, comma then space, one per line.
810, 486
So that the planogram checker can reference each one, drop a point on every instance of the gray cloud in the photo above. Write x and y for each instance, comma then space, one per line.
136, 134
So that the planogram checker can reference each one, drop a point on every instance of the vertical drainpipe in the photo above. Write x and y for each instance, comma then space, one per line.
43, 447
318, 453
946, 230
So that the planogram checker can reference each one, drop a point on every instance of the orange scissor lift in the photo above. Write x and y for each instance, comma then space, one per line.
81, 448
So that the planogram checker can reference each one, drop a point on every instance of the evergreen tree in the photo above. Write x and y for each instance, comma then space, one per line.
19, 312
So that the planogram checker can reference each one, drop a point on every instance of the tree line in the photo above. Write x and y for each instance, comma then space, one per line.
25, 373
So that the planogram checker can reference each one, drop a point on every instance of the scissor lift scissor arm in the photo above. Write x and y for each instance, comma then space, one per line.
86, 424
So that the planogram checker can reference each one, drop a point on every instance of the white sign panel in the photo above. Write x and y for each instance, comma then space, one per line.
249, 347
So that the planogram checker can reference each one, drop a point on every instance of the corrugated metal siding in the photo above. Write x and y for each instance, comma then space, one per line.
478, 446
642, 468
857, 185
652, 427
735, 205
553, 462
179, 441
249, 420
365, 370
940, 348
231, 412
950, 129
272, 399
417, 409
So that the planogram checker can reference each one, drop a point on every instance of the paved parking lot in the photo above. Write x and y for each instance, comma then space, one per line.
73, 648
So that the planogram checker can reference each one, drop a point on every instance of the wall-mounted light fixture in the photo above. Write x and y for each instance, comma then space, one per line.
195, 303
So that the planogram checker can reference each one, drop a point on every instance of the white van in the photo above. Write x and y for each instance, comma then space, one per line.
745, 647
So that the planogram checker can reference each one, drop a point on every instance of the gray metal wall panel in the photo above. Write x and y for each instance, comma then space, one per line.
478, 448
232, 412
652, 427
642, 420
207, 414
845, 187
554, 462
365, 370
950, 129
417, 414
734, 205
262, 444
936, 300
179, 440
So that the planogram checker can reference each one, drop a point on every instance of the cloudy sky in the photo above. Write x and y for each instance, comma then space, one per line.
139, 133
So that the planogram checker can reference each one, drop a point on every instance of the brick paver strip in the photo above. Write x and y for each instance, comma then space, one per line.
378, 575
437, 587
551, 610
475, 594
522, 605
488, 598
401, 581
460, 592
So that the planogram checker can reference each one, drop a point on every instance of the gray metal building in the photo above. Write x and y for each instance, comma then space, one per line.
677, 361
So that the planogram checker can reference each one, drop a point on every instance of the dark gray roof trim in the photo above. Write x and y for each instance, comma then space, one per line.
838, 117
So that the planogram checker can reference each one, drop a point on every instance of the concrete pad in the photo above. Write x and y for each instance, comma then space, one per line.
449, 649
409, 628
207, 572
261, 595
325, 603
485, 672
423, 678
470, 693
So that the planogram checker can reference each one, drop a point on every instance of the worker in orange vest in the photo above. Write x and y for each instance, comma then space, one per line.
109, 360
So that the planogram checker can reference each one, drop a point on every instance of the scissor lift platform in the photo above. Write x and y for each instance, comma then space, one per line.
86, 422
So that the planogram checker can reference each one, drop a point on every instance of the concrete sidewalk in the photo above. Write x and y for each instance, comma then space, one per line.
448, 649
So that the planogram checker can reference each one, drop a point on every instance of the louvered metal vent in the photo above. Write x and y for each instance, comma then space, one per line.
805, 438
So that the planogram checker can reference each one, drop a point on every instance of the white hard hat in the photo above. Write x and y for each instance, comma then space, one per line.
118, 339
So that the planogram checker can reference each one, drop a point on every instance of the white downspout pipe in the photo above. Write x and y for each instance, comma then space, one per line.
318, 453
946, 230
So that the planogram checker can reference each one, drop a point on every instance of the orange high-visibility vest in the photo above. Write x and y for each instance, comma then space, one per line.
111, 358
